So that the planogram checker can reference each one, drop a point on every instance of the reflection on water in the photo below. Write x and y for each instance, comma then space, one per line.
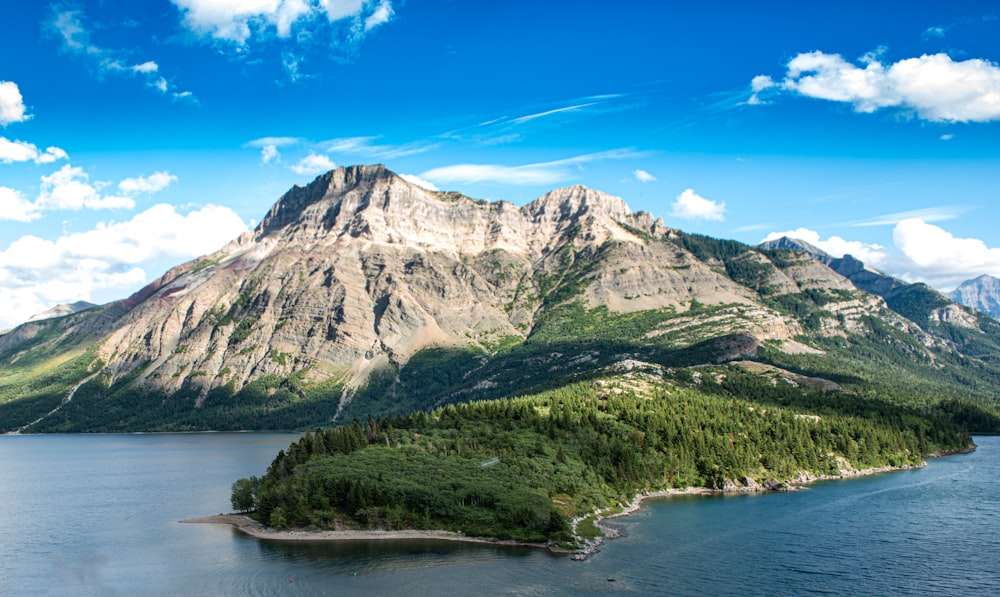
97, 515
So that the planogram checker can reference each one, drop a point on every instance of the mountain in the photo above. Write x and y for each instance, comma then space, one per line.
362, 293
949, 321
981, 294
63, 309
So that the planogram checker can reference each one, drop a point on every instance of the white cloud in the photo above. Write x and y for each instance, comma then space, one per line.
22, 151
269, 153
36, 274
542, 173
276, 141
924, 253
379, 16
366, 147
314, 163
691, 206
936, 31
237, 21
13, 206
153, 183
643, 176
933, 254
872, 254
930, 214
947, 137
935, 87
268, 146
410, 178
69, 25
11, 104
146, 67
70, 189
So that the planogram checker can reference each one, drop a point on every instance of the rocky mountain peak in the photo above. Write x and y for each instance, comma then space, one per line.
573, 202
332, 184
981, 293
795, 244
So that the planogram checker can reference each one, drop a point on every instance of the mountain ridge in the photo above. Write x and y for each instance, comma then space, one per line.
363, 292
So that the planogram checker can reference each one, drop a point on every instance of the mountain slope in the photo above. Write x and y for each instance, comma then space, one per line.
981, 294
361, 292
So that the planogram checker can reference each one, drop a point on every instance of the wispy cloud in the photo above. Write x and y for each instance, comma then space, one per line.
269, 147
529, 117
643, 176
239, 25
933, 87
540, 173
507, 129
367, 147
930, 214
67, 22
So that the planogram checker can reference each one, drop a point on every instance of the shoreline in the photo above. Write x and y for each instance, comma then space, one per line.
732, 488
250, 527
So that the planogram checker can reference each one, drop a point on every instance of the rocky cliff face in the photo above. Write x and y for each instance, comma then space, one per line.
981, 294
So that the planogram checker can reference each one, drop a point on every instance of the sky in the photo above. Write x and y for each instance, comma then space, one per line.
137, 135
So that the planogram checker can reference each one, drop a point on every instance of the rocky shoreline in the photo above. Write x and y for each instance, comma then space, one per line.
741, 486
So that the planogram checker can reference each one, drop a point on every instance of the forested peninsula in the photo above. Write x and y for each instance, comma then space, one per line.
540, 467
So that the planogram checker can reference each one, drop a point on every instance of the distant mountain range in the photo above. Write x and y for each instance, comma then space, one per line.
363, 293
982, 294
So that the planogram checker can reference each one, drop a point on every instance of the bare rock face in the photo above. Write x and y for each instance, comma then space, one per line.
361, 268
981, 294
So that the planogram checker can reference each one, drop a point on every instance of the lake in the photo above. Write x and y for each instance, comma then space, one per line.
98, 515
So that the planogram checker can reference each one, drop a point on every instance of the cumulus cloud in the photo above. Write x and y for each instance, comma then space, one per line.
36, 274
872, 254
410, 178
68, 25
643, 176
153, 183
932, 253
22, 151
314, 163
542, 173
13, 206
11, 104
691, 206
923, 253
70, 189
237, 21
934, 87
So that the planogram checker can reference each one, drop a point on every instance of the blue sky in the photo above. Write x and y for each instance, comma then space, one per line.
136, 135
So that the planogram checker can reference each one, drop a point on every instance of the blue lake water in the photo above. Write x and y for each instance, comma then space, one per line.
97, 515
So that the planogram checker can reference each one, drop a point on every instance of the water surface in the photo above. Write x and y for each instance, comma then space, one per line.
97, 515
